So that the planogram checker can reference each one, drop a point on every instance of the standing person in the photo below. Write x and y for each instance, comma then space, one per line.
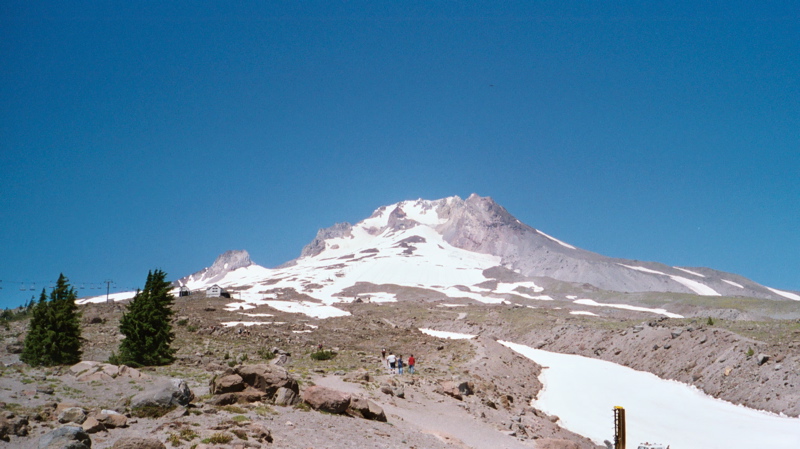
411, 362
399, 364
392, 360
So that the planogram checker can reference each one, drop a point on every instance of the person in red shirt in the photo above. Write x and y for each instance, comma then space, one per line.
411, 362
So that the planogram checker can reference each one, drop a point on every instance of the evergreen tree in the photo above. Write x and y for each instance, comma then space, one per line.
54, 332
147, 325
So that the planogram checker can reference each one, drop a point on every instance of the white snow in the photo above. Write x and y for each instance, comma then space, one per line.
689, 271
121, 296
582, 312
253, 315
733, 283
785, 294
567, 245
591, 302
697, 287
308, 308
234, 306
445, 334
582, 392
452, 305
244, 323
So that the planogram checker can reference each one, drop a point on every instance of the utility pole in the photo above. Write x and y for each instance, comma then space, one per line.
108, 289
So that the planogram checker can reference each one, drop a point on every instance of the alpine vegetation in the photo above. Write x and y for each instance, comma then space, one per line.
147, 327
54, 333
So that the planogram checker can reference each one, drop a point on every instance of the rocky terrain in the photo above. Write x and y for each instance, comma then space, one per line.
466, 393
472, 393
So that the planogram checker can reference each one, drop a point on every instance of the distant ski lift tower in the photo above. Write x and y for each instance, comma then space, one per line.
108, 289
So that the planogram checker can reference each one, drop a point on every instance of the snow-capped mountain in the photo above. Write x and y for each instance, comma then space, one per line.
469, 249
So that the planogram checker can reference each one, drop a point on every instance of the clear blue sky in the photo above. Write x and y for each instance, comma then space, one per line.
143, 135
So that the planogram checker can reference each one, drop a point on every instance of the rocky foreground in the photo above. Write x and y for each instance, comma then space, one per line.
257, 386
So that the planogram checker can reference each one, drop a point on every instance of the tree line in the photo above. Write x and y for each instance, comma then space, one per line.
54, 331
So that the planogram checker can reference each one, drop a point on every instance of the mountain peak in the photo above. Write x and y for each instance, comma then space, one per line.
224, 264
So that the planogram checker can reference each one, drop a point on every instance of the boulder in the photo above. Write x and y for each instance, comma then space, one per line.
762, 359
223, 399
92, 425
72, 415
228, 383
164, 394
326, 399
138, 443
11, 424
455, 390
267, 378
260, 433
112, 419
364, 408
67, 437
286, 396
251, 383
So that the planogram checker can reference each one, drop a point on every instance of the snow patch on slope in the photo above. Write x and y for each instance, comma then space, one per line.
591, 302
697, 287
566, 245
785, 294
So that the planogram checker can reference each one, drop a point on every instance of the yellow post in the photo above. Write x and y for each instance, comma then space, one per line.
619, 427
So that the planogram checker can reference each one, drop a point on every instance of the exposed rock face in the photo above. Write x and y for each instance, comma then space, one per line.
318, 244
225, 263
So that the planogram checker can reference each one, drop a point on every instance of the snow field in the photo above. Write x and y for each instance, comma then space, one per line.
582, 392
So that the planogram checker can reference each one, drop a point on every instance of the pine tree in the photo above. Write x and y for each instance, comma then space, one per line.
33, 350
54, 332
147, 325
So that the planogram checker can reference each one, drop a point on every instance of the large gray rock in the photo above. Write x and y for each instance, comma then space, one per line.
67, 437
286, 396
72, 414
164, 394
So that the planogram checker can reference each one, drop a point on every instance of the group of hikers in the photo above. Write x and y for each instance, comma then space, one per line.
395, 362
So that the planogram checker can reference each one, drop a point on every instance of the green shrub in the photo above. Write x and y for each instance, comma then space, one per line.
182, 322
151, 411
323, 354
750, 352
710, 321
218, 438
265, 353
